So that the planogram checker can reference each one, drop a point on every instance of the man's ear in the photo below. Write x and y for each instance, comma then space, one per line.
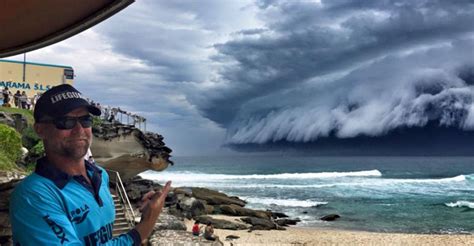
39, 129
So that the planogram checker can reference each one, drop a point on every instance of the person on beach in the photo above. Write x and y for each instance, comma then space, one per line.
196, 228
66, 200
209, 232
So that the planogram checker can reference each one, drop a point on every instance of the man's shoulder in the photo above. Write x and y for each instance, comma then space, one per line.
32, 188
34, 183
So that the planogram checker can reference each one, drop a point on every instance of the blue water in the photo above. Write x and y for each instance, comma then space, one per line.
384, 194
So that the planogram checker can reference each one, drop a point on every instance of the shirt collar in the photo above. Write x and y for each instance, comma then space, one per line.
59, 178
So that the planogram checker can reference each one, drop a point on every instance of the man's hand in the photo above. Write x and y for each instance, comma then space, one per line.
151, 207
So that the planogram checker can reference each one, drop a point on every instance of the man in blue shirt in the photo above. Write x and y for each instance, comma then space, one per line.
67, 201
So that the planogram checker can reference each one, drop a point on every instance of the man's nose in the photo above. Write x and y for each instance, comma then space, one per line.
77, 127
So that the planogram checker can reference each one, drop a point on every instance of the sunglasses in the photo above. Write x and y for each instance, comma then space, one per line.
67, 123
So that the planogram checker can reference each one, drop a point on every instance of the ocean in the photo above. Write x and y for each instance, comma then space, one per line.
382, 194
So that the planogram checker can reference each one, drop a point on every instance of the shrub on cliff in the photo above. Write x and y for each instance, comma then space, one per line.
29, 137
10, 145
38, 149
96, 121
5, 163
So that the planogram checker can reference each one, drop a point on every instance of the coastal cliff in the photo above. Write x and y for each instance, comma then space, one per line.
128, 150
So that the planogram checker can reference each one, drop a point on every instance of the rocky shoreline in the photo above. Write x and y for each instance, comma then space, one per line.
182, 203
203, 205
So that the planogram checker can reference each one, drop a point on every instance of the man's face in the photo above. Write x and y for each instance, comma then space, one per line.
72, 143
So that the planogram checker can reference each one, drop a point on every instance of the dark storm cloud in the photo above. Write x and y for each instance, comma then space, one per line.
171, 36
303, 70
169, 42
349, 67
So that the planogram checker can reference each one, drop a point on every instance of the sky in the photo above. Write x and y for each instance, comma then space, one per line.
208, 73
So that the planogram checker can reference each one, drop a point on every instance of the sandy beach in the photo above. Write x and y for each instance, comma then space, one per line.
317, 236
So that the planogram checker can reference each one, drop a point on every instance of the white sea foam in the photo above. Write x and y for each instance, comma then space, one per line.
460, 204
279, 186
189, 176
356, 184
283, 202
458, 178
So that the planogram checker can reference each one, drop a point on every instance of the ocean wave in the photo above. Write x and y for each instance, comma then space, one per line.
283, 202
460, 204
189, 176
277, 186
469, 177
458, 178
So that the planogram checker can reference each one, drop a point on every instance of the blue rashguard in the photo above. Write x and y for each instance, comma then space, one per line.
50, 207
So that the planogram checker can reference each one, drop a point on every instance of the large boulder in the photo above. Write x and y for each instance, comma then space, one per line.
191, 207
208, 209
222, 224
19, 121
6, 119
229, 210
216, 198
137, 187
168, 221
330, 217
278, 214
286, 221
260, 224
185, 191
235, 210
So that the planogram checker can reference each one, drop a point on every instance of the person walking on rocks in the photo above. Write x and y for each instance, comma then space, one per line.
66, 200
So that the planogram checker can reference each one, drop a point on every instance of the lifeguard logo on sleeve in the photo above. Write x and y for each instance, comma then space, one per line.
57, 229
79, 214
101, 236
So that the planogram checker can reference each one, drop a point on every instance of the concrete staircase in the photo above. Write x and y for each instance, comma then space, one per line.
121, 224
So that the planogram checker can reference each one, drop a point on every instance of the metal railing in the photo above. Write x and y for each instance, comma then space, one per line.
122, 194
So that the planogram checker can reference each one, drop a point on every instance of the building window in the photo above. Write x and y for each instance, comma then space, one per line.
69, 73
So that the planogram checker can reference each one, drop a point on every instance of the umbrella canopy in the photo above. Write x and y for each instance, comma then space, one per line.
28, 25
